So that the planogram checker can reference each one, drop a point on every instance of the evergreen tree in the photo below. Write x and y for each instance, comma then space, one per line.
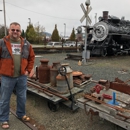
55, 35
72, 36
23, 34
2, 34
31, 34
2, 31
39, 31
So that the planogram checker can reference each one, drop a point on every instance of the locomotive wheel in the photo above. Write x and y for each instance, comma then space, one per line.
53, 107
103, 52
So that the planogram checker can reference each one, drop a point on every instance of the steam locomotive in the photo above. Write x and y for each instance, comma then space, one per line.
109, 36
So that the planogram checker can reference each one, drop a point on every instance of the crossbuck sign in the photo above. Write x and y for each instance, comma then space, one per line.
86, 12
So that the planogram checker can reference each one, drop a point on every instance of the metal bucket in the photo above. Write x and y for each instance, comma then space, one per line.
54, 73
61, 84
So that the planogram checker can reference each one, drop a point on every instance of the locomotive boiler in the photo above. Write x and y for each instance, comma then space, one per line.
110, 36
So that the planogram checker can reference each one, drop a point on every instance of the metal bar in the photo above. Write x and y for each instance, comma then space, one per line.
26, 123
124, 116
48, 94
43, 89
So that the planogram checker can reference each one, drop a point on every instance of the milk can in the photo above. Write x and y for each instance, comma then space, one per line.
54, 73
44, 71
61, 84
69, 74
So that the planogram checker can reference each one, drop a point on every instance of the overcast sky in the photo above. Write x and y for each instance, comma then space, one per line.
50, 12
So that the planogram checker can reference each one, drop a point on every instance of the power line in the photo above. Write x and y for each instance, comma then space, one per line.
39, 13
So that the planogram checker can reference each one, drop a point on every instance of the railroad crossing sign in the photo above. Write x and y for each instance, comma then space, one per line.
86, 12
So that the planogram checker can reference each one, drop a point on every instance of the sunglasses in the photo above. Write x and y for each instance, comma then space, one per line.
15, 30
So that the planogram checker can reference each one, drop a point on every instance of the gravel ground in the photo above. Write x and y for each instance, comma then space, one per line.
64, 119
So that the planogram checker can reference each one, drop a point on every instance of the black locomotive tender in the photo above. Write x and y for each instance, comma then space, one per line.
109, 36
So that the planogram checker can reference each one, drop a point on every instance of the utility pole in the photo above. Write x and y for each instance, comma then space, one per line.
64, 30
4, 17
95, 17
38, 32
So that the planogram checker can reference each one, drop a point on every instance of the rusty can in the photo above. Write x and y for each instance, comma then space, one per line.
61, 84
54, 73
44, 71
56, 65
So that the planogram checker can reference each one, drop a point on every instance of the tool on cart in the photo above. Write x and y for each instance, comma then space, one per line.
101, 96
97, 88
113, 101
63, 71
106, 96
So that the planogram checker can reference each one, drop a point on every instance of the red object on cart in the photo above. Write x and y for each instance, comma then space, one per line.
98, 88
106, 96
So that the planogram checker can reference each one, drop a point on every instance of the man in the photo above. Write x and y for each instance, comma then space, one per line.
16, 62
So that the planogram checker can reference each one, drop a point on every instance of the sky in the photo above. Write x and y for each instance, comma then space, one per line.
65, 13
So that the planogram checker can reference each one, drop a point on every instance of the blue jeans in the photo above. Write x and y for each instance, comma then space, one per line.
7, 86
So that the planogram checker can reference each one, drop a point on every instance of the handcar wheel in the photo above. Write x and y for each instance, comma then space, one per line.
53, 107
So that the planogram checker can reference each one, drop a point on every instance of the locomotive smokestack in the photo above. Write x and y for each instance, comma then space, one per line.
105, 15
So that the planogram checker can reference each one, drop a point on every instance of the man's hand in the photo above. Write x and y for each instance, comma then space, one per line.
26, 73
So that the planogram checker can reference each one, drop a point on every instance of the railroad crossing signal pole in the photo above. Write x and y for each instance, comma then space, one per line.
88, 20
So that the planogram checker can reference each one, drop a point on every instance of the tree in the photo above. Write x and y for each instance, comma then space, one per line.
72, 36
31, 34
39, 31
55, 35
2, 31
23, 34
